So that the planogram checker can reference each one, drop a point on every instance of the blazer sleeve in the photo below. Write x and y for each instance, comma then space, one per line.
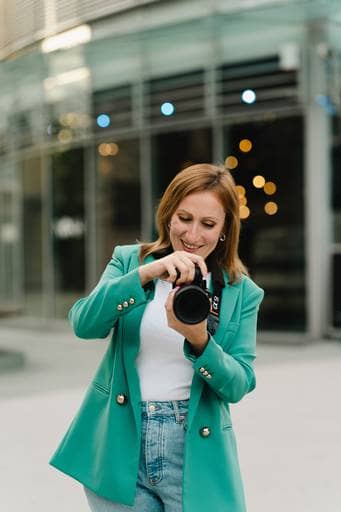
115, 294
231, 374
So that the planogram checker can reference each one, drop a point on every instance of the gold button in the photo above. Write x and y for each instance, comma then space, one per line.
131, 300
205, 431
119, 307
125, 304
205, 373
151, 408
202, 369
121, 399
209, 376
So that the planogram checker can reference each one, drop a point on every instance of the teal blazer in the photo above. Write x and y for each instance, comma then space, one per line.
102, 445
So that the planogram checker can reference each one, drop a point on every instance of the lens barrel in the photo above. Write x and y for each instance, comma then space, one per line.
191, 303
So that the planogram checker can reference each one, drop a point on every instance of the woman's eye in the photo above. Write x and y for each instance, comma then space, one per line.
208, 225
184, 219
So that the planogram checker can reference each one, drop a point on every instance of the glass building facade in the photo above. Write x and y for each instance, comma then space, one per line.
97, 121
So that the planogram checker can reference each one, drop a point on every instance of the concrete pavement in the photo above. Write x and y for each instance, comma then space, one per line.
288, 430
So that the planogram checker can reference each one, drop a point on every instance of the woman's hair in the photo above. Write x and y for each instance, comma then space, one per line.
198, 178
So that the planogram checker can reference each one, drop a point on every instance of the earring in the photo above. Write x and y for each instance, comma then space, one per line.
223, 237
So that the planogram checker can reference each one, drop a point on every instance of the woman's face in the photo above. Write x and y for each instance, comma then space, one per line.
197, 223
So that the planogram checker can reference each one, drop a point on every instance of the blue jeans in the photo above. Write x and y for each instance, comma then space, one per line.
159, 481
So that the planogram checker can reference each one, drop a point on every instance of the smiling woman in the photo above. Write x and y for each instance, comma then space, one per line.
154, 427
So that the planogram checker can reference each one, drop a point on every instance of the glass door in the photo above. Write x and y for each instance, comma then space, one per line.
266, 160
68, 228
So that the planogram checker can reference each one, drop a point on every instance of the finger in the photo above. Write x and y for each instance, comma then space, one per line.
192, 261
184, 266
170, 299
201, 264
171, 273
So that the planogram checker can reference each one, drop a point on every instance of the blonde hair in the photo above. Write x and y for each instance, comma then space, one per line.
197, 178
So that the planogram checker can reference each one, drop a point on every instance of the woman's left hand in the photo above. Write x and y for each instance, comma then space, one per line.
196, 334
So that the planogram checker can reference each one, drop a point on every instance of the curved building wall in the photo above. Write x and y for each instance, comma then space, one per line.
24, 22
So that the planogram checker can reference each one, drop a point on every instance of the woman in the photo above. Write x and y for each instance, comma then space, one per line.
154, 432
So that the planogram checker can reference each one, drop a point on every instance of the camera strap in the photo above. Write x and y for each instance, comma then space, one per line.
213, 316
215, 297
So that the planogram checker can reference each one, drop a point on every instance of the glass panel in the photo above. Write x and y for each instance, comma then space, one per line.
68, 228
174, 151
10, 275
336, 209
336, 179
118, 196
32, 235
270, 170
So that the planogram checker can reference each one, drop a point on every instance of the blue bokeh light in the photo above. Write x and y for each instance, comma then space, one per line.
103, 120
248, 96
167, 108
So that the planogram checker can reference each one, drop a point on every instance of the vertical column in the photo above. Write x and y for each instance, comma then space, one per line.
139, 102
90, 216
317, 183
47, 237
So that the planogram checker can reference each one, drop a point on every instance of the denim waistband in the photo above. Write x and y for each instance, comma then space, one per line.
174, 408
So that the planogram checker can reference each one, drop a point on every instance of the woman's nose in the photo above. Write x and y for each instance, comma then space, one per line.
193, 232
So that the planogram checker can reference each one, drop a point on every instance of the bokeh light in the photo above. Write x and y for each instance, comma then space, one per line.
248, 96
270, 188
244, 212
258, 181
65, 136
167, 108
245, 145
240, 190
103, 120
271, 208
108, 149
231, 162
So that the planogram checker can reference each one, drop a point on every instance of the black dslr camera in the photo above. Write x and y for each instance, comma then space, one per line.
191, 301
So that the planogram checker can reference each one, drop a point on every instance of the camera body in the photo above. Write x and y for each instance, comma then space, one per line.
191, 301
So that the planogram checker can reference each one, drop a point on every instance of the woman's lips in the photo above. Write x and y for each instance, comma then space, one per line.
189, 247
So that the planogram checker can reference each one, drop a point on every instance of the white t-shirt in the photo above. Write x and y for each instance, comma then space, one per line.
165, 373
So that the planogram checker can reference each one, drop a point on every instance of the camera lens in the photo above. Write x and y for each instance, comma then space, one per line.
191, 304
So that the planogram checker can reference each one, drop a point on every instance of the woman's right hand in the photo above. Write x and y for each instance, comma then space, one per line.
168, 268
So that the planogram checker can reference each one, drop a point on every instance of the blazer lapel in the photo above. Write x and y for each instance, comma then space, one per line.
228, 303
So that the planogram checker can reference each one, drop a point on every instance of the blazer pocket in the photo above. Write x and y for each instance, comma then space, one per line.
101, 388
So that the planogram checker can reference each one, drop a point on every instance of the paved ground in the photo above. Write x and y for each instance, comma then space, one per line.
288, 430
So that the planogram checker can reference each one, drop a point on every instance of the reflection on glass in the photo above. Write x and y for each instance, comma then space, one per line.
118, 196
9, 238
272, 244
68, 228
336, 179
173, 151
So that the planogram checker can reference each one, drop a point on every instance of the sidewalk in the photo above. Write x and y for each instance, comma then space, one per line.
288, 430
